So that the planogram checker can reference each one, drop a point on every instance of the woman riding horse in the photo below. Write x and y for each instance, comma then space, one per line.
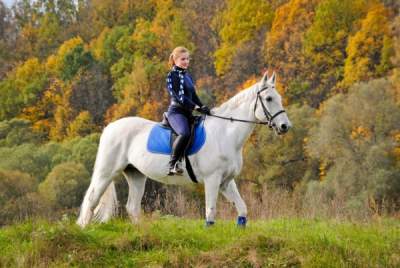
183, 100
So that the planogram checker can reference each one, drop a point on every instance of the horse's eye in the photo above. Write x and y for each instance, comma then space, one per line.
269, 98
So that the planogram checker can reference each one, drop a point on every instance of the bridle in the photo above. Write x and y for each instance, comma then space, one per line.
267, 114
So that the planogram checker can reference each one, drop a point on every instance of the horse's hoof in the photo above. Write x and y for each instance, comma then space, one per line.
209, 223
241, 221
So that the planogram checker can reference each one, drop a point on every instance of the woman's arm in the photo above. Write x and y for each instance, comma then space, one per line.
173, 86
196, 99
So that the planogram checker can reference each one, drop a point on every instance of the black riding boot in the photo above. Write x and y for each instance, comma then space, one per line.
178, 148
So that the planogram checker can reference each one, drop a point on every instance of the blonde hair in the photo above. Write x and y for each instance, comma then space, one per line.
175, 54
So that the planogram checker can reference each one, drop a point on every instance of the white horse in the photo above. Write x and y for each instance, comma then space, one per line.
216, 164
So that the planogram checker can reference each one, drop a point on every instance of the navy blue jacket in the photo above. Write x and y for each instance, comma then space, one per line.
181, 89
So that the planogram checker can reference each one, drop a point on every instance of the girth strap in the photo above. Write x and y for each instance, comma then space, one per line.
187, 161
190, 169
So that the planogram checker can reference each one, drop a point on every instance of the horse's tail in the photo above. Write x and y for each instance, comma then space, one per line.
108, 205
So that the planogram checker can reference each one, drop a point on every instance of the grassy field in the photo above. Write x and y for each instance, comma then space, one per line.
176, 242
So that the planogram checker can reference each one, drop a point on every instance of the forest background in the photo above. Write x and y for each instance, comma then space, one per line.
68, 68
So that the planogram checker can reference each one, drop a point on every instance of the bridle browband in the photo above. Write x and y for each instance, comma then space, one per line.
267, 114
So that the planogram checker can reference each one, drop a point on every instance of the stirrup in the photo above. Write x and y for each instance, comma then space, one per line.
176, 169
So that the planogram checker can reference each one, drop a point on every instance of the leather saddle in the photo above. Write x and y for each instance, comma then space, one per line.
193, 121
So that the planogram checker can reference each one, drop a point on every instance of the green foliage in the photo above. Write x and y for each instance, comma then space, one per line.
91, 91
69, 59
38, 160
68, 68
65, 185
326, 40
280, 160
370, 49
171, 28
16, 195
81, 126
21, 88
242, 21
14, 184
110, 13
354, 137
139, 89
16, 132
284, 48
74, 60
82, 150
112, 45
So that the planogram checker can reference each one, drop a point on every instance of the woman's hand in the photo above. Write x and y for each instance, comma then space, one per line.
203, 109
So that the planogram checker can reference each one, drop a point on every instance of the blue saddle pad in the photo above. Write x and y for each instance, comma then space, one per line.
159, 139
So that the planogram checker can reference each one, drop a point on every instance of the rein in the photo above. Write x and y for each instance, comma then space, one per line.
267, 114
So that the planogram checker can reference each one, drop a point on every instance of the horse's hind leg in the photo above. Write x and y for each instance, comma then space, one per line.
231, 193
136, 182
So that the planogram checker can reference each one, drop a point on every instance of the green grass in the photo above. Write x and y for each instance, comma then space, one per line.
177, 242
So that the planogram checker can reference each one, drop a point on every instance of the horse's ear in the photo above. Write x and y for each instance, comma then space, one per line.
272, 79
265, 78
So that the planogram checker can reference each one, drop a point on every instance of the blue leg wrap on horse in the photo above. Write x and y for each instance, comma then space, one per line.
241, 221
209, 223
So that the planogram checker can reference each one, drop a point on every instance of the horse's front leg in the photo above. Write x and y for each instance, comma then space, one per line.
211, 188
231, 192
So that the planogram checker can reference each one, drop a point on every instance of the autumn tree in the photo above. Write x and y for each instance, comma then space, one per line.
17, 131
16, 192
240, 22
7, 41
325, 44
354, 137
395, 77
241, 26
278, 161
284, 47
370, 49
22, 87
81, 126
114, 46
65, 185
43, 25
138, 92
201, 14
91, 91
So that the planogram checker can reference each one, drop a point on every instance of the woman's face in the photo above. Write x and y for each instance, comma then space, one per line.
183, 60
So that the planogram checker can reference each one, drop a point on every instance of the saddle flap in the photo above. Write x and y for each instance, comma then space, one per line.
159, 140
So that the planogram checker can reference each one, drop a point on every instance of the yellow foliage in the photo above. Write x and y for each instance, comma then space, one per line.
96, 45
241, 21
51, 63
396, 151
54, 62
365, 49
150, 110
69, 45
62, 114
360, 132
248, 83
81, 126
322, 170
29, 70
170, 28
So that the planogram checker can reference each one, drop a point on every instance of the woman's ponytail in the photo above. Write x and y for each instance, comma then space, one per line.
171, 61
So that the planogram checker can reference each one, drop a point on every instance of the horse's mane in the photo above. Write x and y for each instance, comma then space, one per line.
245, 95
